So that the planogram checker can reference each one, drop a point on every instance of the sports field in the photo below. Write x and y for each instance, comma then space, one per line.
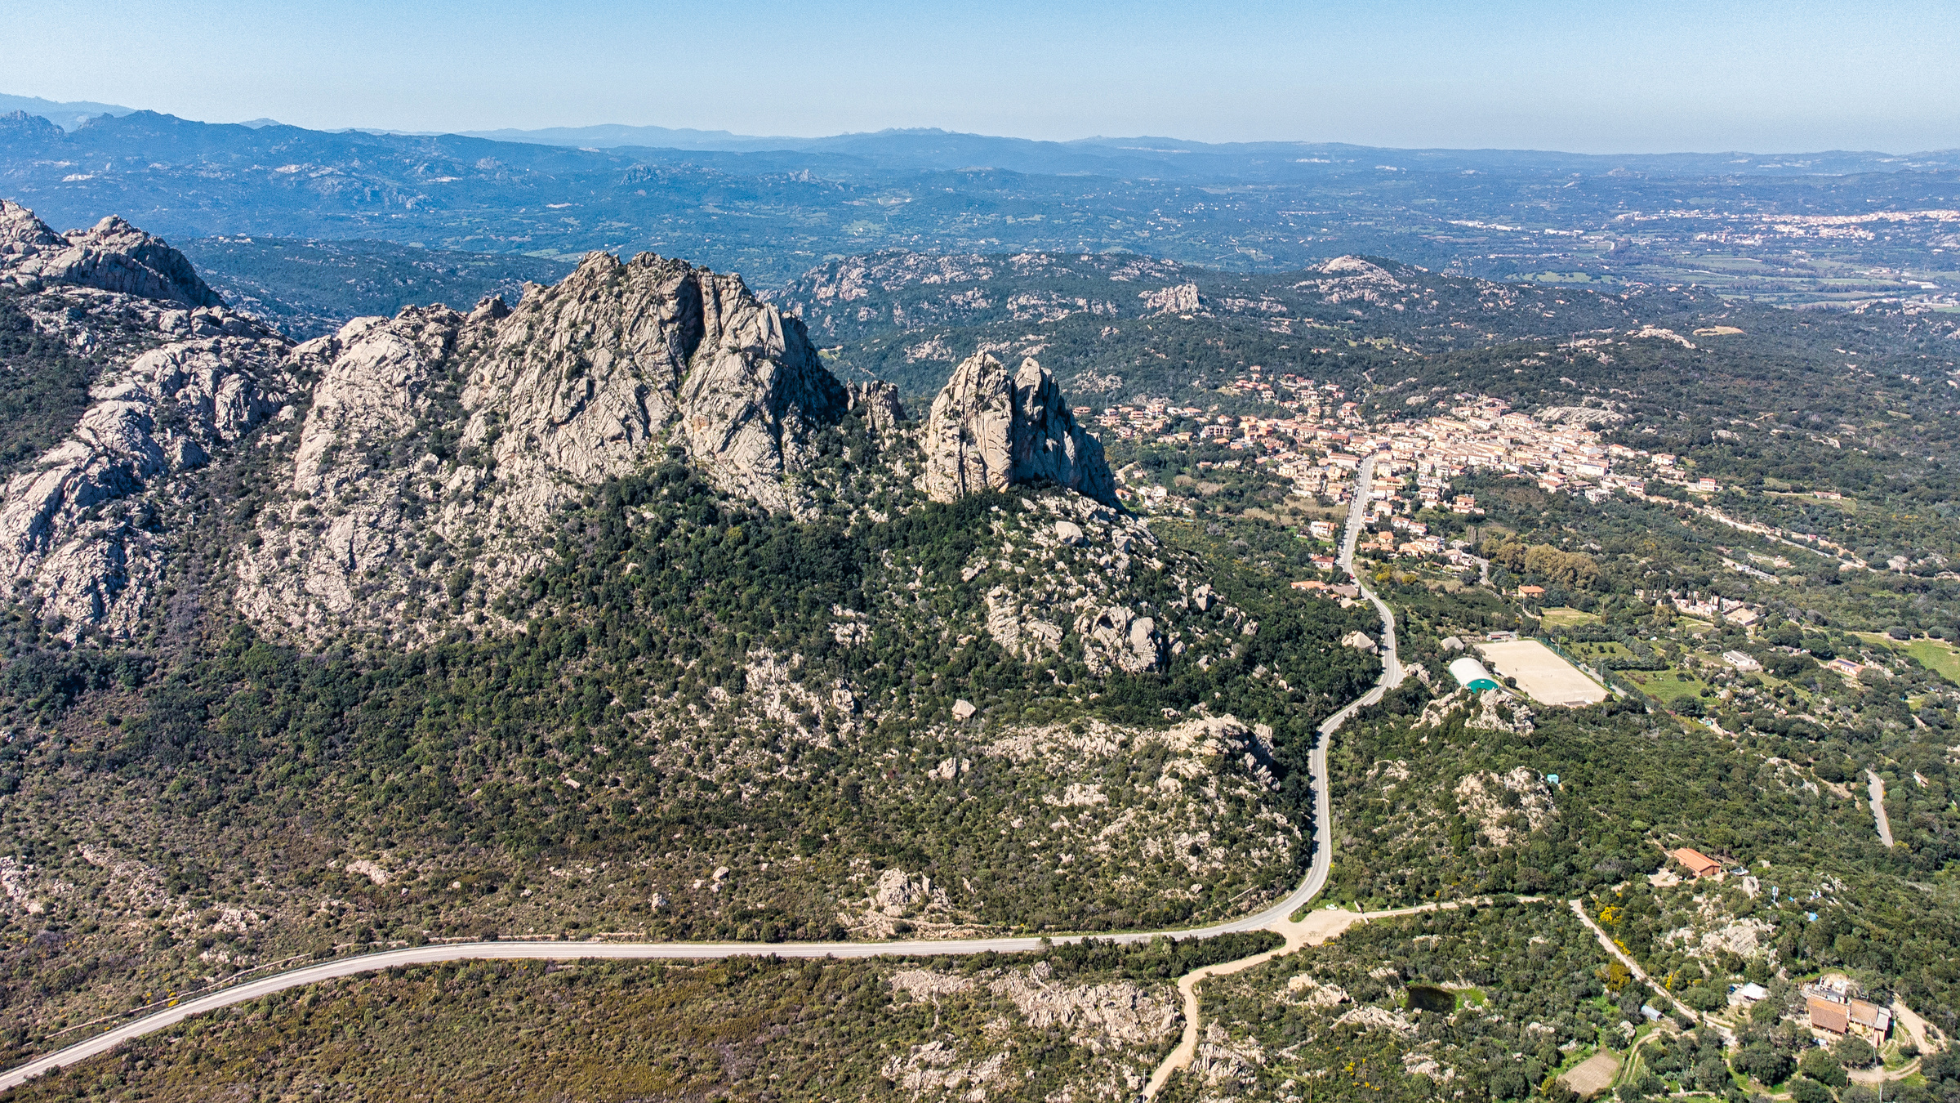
1541, 674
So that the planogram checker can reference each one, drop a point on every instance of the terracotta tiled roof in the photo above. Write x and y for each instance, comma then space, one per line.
1697, 863
1867, 1013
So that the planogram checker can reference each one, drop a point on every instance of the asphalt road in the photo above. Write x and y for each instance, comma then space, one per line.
437, 953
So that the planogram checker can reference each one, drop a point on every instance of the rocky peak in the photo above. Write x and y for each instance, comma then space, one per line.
437, 447
22, 233
754, 394
587, 380
580, 377
112, 255
989, 430
21, 125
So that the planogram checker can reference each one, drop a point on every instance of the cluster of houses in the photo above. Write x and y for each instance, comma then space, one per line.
1833, 1002
1323, 439
1835, 1011
1712, 607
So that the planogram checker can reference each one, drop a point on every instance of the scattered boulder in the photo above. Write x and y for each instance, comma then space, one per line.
1116, 638
1360, 641
1505, 806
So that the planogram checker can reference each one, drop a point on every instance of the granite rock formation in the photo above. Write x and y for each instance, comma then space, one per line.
111, 255
578, 383
989, 430
423, 460
74, 527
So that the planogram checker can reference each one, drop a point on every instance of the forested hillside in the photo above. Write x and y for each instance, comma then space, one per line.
637, 607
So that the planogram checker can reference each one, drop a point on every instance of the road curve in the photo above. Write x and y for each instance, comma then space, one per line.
437, 953
1277, 917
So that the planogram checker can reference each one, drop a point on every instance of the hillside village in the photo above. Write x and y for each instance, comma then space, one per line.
1307, 439
1318, 446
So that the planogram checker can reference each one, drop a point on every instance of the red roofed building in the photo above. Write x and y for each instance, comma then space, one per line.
1828, 1015
1697, 863
1870, 1018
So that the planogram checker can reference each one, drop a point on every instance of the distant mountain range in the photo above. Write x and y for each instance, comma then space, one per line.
1178, 158
1148, 156
773, 207
68, 116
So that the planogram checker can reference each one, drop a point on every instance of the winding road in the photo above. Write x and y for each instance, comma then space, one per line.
1276, 918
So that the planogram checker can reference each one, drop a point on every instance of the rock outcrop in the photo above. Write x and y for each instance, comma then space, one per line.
754, 396
1115, 637
72, 528
1181, 299
584, 381
438, 447
877, 403
112, 256
989, 430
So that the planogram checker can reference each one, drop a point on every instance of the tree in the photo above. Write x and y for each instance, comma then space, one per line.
1854, 1052
1508, 1082
1809, 1091
1822, 1067
1764, 1063
1704, 998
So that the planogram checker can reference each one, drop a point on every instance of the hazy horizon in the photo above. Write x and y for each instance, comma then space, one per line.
1518, 75
7, 98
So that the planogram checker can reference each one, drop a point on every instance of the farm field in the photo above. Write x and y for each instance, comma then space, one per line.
1938, 656
1562, 617
1593, 1075
1665, 685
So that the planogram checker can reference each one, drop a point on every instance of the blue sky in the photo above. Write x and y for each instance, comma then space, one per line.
1591, 77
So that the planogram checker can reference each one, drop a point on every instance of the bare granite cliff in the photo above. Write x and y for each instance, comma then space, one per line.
112, 255
989, 430
73, 528
421, 462
588, 380
176, 379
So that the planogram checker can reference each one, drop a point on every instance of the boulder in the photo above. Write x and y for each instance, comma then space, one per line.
1360, 641
1116, 638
